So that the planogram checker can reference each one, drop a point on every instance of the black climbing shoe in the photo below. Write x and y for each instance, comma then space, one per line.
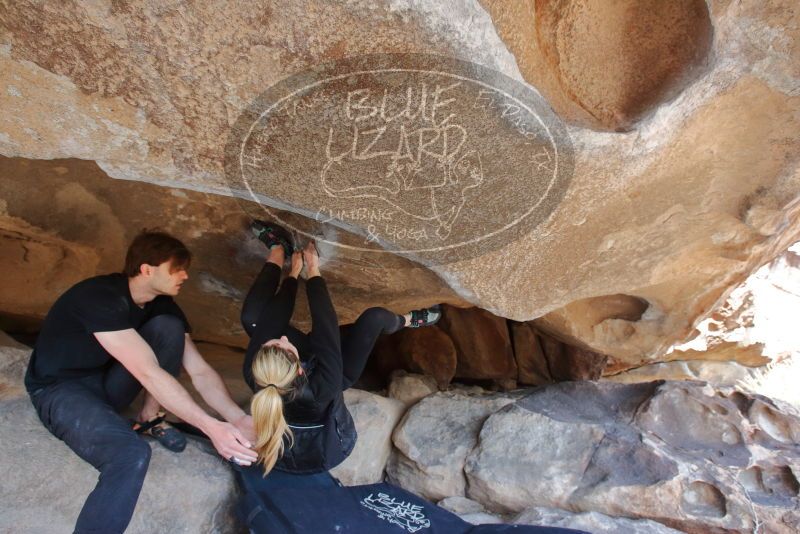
272, 234
426, 316
157, 428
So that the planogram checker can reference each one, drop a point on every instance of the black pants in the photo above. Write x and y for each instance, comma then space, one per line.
267, 311
83, 413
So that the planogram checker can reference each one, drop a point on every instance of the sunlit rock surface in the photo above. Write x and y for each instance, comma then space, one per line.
683, 117
758, 316
755, 325
565, 50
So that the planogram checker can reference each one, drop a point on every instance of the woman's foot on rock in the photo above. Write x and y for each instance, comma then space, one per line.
425, 316
272, 235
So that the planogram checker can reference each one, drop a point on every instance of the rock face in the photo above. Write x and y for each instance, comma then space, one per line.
684, 455
754, 324
717, 373
698, 94
671, 129
597, 456
593, 522
410, 388
84, 225
482, 343
375, 418
558, 46
429, 351
602, 456
542, 359
13, 363
532, 364
474, 344
469, 511
193, 491
547, 39
433, 440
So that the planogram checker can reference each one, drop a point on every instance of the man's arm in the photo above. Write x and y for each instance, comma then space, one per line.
211, 387
133, 352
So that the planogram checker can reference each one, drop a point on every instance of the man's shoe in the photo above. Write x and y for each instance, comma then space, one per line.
157, 428
425, 316
272, 234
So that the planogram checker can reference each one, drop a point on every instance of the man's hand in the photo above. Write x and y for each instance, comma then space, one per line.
246, 427
133, 352
230, 442
209, 384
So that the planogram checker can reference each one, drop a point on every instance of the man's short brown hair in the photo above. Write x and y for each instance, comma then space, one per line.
154, 248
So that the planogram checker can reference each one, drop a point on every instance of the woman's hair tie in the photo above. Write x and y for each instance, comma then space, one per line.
278, 388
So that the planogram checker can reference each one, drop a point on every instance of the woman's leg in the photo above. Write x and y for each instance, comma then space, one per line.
262, 290
324, 340
359, 339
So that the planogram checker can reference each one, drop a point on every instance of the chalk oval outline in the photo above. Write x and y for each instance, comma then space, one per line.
291, 81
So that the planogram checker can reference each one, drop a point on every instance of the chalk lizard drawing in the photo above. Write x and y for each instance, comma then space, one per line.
425, 176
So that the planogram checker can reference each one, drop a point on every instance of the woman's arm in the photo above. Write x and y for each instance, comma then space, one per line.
212, 388
326, 380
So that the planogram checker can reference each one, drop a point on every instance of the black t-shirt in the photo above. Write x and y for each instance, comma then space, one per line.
66, 347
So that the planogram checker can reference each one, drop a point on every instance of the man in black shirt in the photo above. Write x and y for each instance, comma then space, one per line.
103, 340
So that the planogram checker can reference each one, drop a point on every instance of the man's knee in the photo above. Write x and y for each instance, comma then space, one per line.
166, 336
167, 326
134, 454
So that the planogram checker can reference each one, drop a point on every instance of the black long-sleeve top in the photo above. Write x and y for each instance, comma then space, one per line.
319, 350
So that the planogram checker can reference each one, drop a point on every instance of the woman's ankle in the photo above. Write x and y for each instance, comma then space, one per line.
276, 255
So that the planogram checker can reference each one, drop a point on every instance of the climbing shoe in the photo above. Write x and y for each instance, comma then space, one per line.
158, 429
425, 316
272, 234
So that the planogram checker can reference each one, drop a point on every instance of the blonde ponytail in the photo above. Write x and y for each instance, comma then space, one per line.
274, 370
